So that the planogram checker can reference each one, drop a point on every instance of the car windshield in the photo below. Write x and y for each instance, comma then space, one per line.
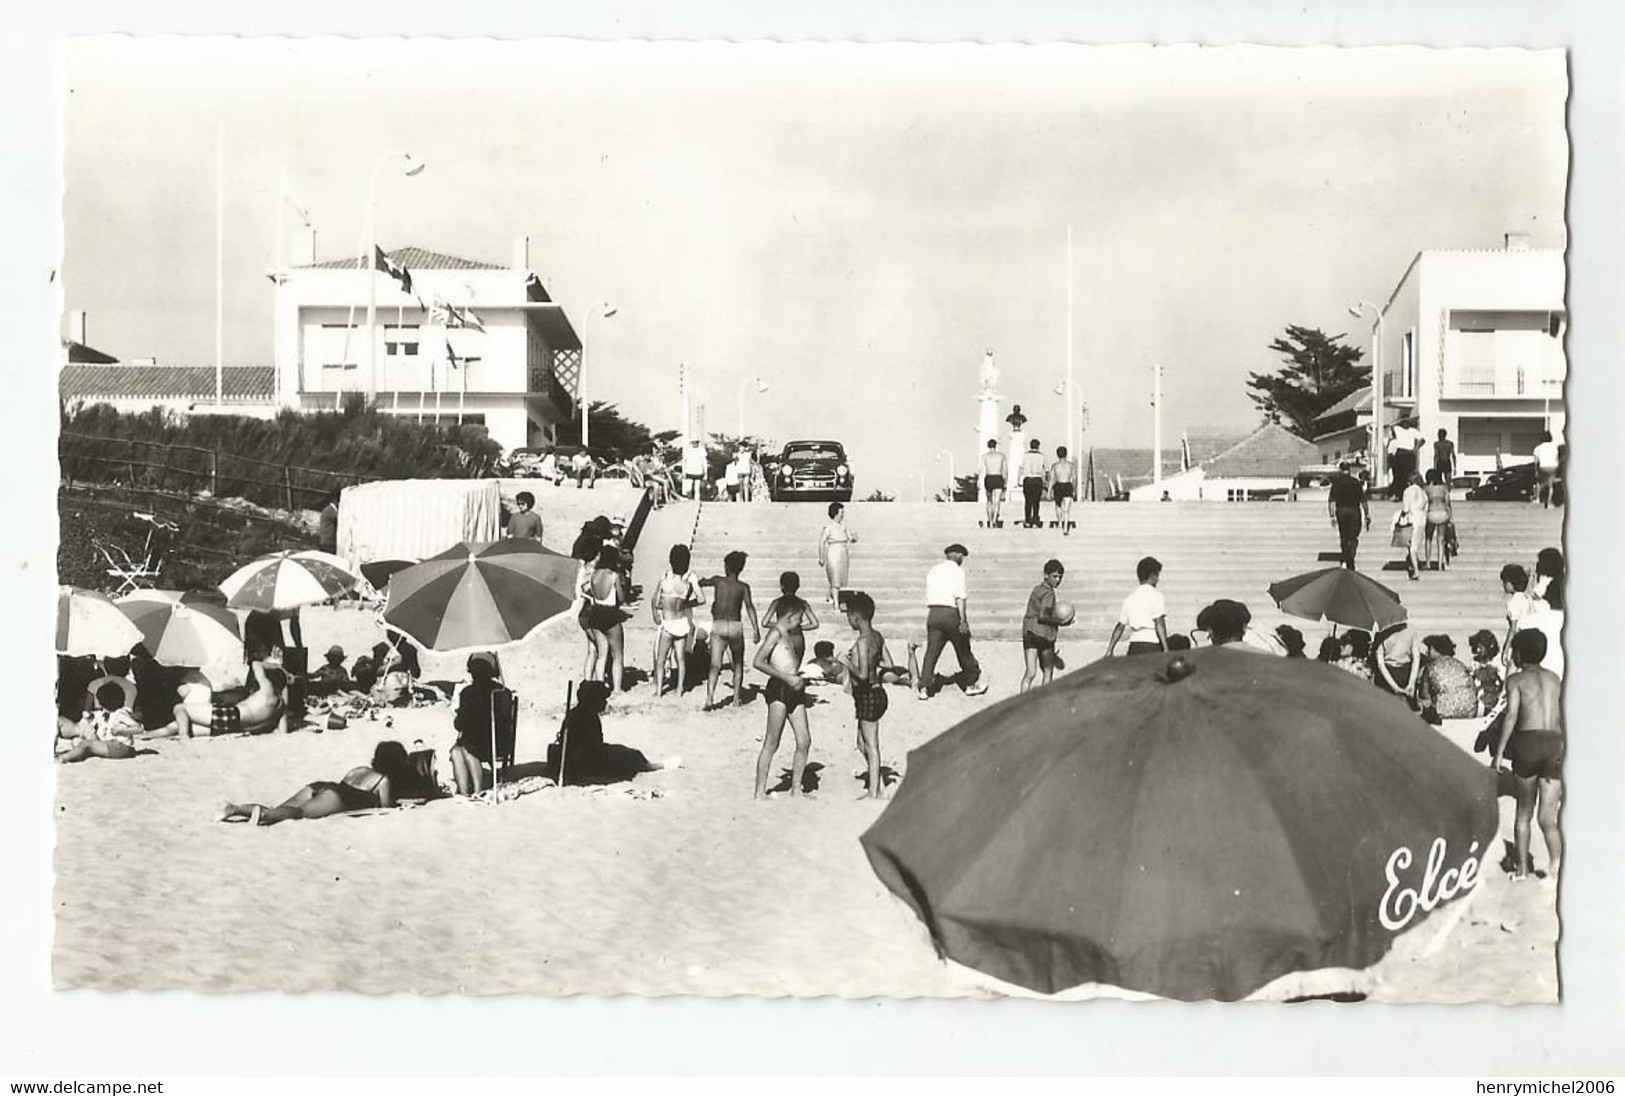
812, 452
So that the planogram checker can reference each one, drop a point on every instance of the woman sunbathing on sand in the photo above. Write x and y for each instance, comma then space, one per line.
260, 711
362, 788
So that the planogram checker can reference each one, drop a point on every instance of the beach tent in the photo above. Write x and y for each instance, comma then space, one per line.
1193, 826
415, 519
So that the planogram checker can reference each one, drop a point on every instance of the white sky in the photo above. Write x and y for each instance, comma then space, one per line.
854, 223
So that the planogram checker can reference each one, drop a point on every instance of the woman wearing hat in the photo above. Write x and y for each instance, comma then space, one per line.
472, 753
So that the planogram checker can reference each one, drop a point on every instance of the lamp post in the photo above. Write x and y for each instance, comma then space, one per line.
744, 386
952, 479
368, 248
1377, 451
602, 311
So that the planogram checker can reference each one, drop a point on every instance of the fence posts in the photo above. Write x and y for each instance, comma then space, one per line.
214, 474
287, 483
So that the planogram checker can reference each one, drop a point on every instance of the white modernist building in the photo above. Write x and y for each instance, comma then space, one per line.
473, 342
1472, 343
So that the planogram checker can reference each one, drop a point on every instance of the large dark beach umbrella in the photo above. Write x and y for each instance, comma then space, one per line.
1341, 596
1191, 836
480, 594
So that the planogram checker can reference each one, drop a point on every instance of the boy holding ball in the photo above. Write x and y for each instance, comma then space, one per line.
1041, 626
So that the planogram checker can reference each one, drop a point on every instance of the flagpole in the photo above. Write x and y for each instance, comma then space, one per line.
219, 263
395, 373
1072, 441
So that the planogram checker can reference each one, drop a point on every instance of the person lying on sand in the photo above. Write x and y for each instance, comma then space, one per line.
361, 789
261, 711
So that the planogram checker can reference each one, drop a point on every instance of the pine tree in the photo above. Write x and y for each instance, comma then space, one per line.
1319, 370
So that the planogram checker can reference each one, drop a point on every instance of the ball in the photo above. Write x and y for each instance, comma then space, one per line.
1064, 612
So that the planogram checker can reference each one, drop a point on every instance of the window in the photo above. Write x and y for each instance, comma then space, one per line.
341, 351
400, 340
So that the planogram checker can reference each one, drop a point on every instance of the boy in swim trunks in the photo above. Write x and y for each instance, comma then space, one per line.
729, 594
780, 659
863, 677
992, 466
1063, 478
1039, 627
1532, 739
672, 608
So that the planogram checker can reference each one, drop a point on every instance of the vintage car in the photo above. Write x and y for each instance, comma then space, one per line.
812, 469
1515, 483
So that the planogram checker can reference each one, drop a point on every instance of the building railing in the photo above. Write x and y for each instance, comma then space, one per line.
1487, 382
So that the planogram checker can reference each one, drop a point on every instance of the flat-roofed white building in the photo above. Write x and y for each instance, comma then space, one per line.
1472, 342
513, 369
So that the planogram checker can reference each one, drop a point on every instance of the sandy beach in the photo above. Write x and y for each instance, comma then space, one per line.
675, 882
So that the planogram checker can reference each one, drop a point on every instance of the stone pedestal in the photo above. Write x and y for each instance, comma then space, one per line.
987, 429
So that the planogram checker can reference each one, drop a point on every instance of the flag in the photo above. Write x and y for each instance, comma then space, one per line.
298, 206
383, 262
457, 361
1184, 453
446, 314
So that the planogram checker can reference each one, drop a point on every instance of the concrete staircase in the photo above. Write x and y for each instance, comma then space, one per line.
1208, 551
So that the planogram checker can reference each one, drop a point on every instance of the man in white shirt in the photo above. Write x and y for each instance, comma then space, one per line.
1144, 618
694, 468
744, 472
946, 622
1033, 470
1403, 445
1546, 454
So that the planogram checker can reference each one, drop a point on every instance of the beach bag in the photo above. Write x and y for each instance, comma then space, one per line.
1452, 546
1402, 535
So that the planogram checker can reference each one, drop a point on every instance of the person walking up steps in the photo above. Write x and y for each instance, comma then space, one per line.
1347, 505
729, 596
946, 621
1144, 618
1063, 478
1033, 470
992, 482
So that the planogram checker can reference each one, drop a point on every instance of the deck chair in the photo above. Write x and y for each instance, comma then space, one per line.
504, 731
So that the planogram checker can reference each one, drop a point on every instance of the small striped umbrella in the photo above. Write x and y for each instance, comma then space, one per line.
89, 623
1339, 595
192, 628
287, 580
480, 594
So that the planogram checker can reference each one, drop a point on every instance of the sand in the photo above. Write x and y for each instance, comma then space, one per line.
673, 883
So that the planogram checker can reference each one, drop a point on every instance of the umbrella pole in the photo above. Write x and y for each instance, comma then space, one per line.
564, 731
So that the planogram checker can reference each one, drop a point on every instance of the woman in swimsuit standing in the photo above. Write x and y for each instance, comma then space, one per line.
1439, 512
672, 608
362, 788
833, 554
604, 616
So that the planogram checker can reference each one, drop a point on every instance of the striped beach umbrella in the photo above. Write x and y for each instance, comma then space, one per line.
287, 580
89, 623
192, 628
1341, 596
480, 594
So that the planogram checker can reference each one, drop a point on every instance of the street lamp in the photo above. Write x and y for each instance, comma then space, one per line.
369, 247
1377, 451
952, 479
744, 386
602, 312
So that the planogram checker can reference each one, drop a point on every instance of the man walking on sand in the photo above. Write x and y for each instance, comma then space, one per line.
1532, 739
1144, 618
1346, 504
946, 622
992, 468
1033, 470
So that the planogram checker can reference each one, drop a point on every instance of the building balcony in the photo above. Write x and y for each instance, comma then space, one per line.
1502, 384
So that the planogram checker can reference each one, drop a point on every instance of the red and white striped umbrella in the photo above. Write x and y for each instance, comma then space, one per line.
192, 628
89, 623
287, 580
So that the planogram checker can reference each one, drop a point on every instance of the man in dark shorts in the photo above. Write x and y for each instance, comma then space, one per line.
730, 596
1532, 739
1444, 457
1040, 627
865, 668
992, 469
1346, 505
786, 697
524, 523
1063, 478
